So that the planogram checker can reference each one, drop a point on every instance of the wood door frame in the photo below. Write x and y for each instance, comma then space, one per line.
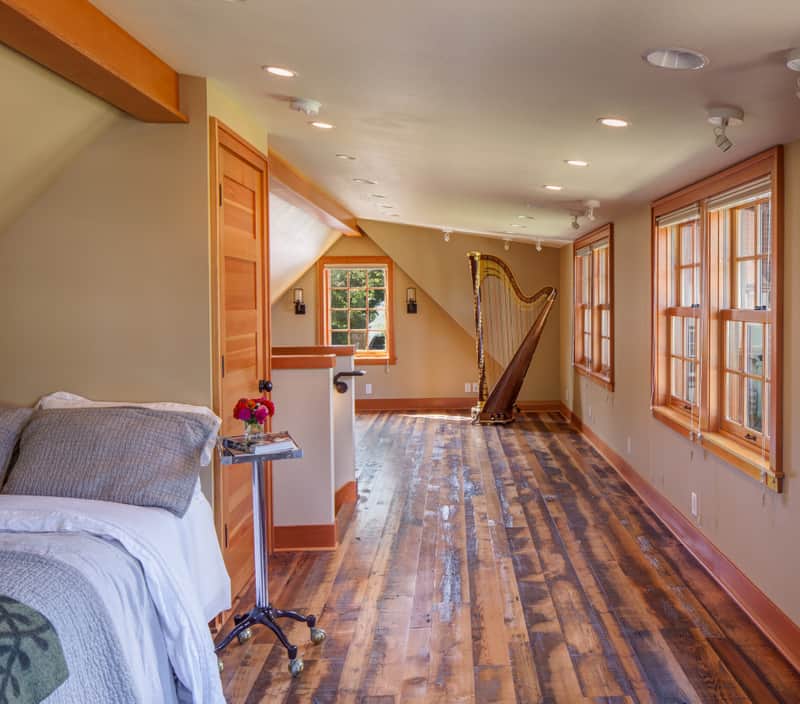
221, 134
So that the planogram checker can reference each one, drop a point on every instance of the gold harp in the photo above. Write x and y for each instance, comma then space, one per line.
508, 327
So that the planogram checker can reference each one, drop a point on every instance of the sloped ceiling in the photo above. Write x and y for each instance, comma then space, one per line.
462, 110
297, 238
46, 122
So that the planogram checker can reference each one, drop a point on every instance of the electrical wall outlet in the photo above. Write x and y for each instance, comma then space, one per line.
367, 389
475, 387
694, 505
467, 387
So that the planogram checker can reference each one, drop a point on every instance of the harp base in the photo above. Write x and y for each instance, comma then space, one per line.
480, 417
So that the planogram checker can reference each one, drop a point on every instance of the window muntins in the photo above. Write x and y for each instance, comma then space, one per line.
715, 306
745, 303
593, 352
684, 293
356, 305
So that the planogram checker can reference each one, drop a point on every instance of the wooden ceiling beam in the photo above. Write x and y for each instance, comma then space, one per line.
78, 42
302, 192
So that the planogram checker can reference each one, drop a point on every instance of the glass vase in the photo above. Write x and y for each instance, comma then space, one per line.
252, 430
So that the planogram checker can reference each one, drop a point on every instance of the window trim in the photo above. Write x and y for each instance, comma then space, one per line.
363, 357
713, 437
593, 372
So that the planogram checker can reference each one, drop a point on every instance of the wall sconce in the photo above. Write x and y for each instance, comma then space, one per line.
411, 300
299, 305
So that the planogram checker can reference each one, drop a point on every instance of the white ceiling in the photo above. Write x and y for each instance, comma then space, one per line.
463, 109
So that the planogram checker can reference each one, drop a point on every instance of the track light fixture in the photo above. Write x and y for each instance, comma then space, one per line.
793, 60
446, 234
538, 245
721, 139
793, 64
590, 206
506, 244
575, 224
722, 118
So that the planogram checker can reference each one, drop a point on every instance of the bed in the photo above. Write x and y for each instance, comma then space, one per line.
102, 600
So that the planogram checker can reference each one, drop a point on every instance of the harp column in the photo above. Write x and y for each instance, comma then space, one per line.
475, 270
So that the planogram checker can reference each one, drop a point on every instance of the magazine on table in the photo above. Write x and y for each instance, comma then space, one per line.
261, 444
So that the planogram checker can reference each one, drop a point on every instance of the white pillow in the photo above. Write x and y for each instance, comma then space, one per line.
64, 399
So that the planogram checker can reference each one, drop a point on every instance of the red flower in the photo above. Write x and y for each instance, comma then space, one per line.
253, 410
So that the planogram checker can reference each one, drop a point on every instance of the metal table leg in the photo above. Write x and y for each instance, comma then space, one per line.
263, 612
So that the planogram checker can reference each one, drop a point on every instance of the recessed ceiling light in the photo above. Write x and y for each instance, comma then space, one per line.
576, 162
395, 215
675, 59
365, 180
378, 195
385, 205
518, 225
525, 217
345, 156
280, 71
322, 125
613, 121
551, 187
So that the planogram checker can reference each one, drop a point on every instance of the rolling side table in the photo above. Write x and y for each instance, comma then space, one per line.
240, 450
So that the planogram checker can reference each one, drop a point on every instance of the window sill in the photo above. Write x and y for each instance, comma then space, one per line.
597, 377
374, 360
726, 448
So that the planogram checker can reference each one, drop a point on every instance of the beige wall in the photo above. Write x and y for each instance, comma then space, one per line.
105, 278
46, 122
442, 268
436, 356
229, 107
758, 530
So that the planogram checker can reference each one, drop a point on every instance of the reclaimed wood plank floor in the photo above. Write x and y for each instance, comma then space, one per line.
507, 564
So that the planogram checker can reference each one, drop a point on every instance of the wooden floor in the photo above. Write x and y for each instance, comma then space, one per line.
503, 565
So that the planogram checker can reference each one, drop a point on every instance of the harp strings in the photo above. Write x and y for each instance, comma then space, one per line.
506, 319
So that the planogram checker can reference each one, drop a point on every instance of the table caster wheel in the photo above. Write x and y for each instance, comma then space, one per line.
220, 664
245, 635
296, 667
318, 636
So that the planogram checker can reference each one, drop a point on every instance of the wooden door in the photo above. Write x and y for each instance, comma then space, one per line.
242, 346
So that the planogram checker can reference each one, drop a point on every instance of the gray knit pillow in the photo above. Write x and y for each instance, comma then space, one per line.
12, 420
128, 455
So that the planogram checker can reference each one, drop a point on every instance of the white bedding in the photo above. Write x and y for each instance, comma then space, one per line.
164, 607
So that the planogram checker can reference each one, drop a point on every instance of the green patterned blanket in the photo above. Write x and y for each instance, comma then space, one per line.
32, 664
57, 640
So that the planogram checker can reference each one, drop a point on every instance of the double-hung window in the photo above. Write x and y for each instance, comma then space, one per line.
356, 306
744, 225
681, 232
594, 314
716, 314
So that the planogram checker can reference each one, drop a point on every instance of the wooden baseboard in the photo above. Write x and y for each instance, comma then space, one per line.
414, 404
540, 405
458, 403
307, 538
345, 494
774, 623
